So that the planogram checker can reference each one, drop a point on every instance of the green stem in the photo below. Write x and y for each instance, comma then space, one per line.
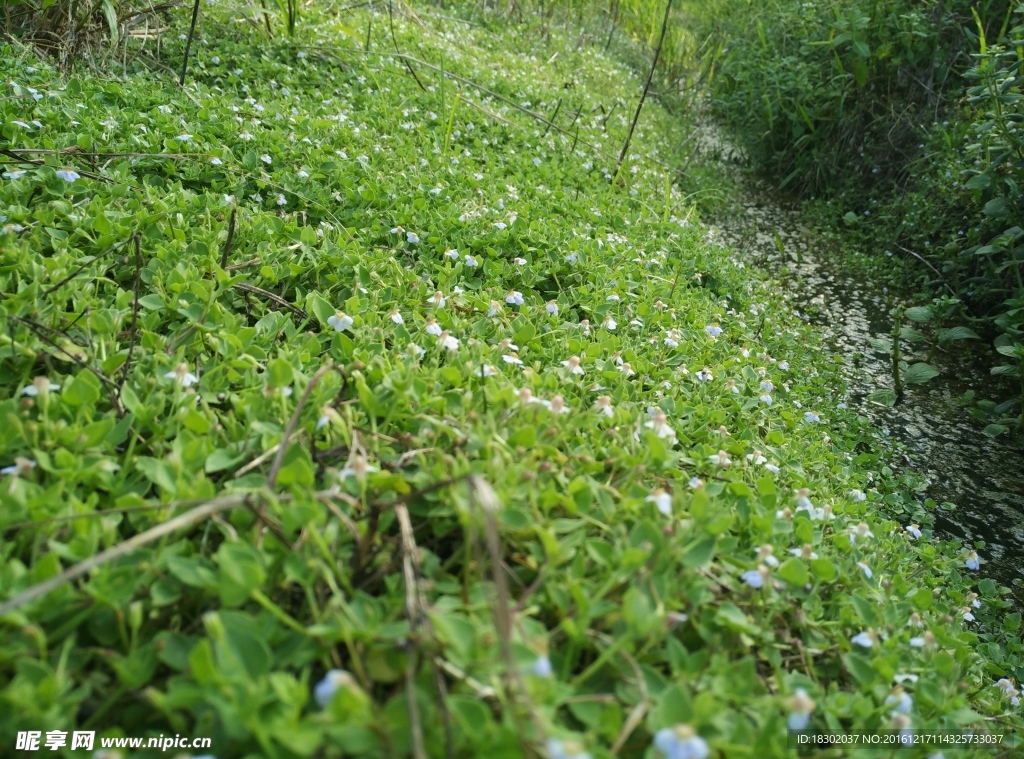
280, 614
896, 378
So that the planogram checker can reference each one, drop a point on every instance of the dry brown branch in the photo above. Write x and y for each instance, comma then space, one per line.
247, 288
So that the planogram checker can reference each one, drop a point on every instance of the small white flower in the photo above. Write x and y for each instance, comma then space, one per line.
415, 350
281, 200
20, 467
448, 341
858, 495
603, 404
720, 459
551, 307
773, 468
514, 297
182, 375
437, 300
865, 569
573, 365
68, 175
14, 174
626, 369
662, 500
811, 416
519, 261
609, 323
471, 262
801, 707
660, 426
765, 399
571, 258
972, 562
266, 159
713, 329
804, 552
183, 137
215, 161
412, 237
863, 639
340, 321
512, 358
784, 366
766, 555
452, 254
861, 531
39, 386
486, 370
536, 162
704, 375
396, 317
901, 700
695, 483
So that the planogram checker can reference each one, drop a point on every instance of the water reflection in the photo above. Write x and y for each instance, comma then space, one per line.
977, 480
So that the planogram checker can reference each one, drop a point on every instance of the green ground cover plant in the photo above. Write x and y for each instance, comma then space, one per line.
352, 409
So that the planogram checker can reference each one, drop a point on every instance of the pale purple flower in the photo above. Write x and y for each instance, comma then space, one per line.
681, 742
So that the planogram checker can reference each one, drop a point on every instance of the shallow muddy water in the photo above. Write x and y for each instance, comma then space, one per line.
977, 481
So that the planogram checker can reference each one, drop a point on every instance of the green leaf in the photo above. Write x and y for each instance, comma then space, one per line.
979, 182
84, 390
823, 570
794, 571
733, 618
865, 609
957, 333
922, 598
919, 313
995, 430
911, 335
919, 373
319, 307
699, 552
279, 373
997, 207
471, 715
860, 668
674, 707
881, 345
884, 396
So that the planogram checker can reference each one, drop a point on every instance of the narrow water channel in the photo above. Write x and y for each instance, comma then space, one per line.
977, 481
